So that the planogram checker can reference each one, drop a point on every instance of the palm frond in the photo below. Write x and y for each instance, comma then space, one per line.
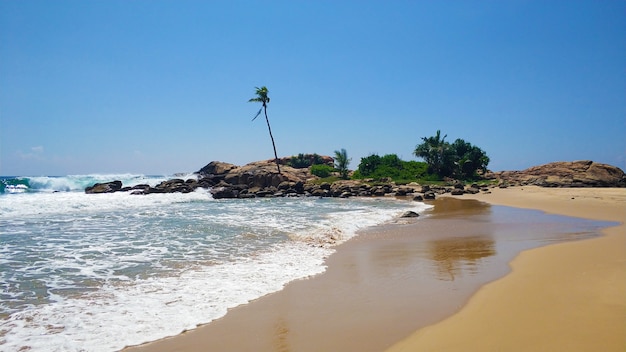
257, 114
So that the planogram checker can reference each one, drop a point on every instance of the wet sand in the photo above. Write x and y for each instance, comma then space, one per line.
566, 297
383, 285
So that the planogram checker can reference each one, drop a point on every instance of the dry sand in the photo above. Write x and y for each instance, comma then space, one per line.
564, 297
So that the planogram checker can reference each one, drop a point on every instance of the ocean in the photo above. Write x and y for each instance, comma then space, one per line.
98, 272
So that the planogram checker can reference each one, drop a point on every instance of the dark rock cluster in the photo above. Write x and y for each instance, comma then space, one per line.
259, 180
169, 186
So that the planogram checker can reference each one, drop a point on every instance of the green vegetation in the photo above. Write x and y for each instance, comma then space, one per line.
329, 179
391, 166
341, 162
305, 160
262, 97
322, 170
460, 159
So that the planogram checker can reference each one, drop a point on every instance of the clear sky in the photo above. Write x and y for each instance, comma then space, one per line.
158, 87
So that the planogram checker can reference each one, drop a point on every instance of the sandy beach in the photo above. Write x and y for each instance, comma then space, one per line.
565, 297
395, 286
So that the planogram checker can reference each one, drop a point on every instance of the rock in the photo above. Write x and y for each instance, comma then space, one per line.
246, 196
264, 193
285, 185
402, 191
584, 173
141, 187
379, 191
418, 198
319, 192
409, 214
223, 192
107, 187
457, 192
429, 195
472, 190
173, 186
216, 168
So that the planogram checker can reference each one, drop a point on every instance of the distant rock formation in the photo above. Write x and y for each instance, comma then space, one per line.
584, 173
260, 179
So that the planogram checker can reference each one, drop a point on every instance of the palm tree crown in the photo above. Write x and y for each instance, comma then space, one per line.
261, 97
341, 162
435, 151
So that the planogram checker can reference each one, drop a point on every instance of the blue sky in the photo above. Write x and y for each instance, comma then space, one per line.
158, 87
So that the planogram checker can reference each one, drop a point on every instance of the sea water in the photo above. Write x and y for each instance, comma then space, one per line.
98, 272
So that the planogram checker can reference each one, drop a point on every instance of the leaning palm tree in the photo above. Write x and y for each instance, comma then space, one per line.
261, 97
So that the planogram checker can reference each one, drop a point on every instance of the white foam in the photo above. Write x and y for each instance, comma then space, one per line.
125, 310
79, 182
44, 203
118, 316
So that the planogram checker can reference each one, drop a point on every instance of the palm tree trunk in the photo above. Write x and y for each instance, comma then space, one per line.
272, 137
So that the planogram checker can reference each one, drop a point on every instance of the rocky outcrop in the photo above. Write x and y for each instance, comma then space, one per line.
583, 173
107, 187
260, 179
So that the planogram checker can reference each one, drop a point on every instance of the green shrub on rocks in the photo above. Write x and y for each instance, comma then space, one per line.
392, 167
322, 171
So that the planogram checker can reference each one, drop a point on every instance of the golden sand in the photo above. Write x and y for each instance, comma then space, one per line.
564, 297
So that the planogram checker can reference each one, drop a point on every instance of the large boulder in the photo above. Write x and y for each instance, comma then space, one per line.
216, 168
107, 187
584, 173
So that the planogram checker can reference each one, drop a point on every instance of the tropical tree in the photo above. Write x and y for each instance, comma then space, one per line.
459, 159
369, 164
261, 97
469, 159
437, 153
341, 162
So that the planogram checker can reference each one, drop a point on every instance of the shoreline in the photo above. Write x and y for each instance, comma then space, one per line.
249, 320
566, 296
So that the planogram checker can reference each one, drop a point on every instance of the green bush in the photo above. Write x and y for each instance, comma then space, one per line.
321, 170
299, 162
391, 166
305, 160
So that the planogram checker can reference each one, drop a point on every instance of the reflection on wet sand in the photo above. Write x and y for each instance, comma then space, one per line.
452, 207
454, 256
